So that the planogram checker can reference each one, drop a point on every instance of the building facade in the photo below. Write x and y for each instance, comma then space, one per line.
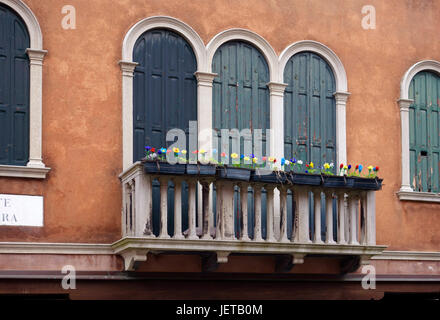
86, 86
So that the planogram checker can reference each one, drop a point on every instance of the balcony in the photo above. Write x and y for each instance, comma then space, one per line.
288, 220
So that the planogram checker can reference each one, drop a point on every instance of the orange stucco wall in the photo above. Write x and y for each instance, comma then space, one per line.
82, 131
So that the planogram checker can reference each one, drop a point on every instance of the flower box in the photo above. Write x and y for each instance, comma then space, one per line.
164, 168
232, 173
366, 183
201, 169
305, 179
268, 176
335, 181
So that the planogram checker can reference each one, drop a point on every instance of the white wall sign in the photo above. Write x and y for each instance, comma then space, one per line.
18, 210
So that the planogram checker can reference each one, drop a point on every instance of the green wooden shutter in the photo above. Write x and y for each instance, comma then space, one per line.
424, 132
164, 97
165, 88
240, 92
310, 119
241, 100
14, 89
309, 110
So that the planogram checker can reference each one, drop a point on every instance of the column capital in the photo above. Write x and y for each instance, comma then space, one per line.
36, 56
277, 88
404, 104
341, 96
205, 78
127, 67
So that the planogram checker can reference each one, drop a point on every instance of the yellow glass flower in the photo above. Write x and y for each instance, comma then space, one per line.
246, 158
176, 150
326, 166
345, 167
202, 151
254, 160
370, 168
311, 164
234, 156
183, 151
271, 159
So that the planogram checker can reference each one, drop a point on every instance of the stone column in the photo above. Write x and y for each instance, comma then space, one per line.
35, 106
127, 68
341, 127
204, 110
276, 139
404, 123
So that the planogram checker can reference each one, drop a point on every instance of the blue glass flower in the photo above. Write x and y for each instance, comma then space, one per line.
360, 168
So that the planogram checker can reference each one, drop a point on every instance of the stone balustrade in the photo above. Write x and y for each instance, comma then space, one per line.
224, 217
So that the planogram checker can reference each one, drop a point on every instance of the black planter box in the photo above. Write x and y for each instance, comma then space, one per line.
335, 181
201, 169
231, 173
366, 183
305, 179
164, 168
268, 176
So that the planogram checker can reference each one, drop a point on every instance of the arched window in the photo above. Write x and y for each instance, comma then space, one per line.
14, 89
241, 101
164, 98
21, 74
309, 109
419, 116
165, 88
240, 91
310, 118
424, 113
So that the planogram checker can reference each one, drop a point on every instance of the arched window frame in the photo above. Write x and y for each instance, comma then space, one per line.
341, 94
272, 61
406, 192
35, 168
128, 65
205, 77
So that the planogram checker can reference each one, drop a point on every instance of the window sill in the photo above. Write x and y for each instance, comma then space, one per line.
23, 172
419, 196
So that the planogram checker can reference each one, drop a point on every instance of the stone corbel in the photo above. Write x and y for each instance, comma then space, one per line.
211, 261
133, 257
285, 263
